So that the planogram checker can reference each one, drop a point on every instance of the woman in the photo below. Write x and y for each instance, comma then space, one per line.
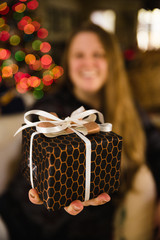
95, 77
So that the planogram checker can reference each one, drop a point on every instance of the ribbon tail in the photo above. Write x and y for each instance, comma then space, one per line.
21, 129
88, 164
30, 158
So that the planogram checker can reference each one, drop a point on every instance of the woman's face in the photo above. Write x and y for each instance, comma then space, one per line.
88, 67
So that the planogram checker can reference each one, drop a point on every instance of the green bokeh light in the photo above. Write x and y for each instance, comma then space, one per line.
14, 40
19, 56
38, 94
7, 62
40, 87
36, 45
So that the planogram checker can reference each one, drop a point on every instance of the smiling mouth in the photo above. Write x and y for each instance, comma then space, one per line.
88, 74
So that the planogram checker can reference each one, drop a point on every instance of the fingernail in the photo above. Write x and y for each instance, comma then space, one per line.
76, 208
106, 200
32, 196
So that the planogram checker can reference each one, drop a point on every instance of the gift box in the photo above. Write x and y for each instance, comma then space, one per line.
59, 165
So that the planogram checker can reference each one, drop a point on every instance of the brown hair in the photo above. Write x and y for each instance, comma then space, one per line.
119, 105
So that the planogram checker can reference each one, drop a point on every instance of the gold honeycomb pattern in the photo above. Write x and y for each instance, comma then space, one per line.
59, 166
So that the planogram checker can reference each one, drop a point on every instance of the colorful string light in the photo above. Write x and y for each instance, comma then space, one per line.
14, 40
32, 5
30, 53
42, 33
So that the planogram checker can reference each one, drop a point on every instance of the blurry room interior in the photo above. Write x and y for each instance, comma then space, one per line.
134, 23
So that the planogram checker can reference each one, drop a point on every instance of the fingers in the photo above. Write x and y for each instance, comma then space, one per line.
33, 197
101, 199
74, 208
77, 206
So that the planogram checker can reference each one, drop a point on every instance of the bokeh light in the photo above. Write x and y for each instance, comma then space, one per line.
27, 18
38, 94
47, 82
24, 82
45, 47
30, 59
6, 28
7, 72
2, 22
7, 62
5, 11
14, 40
21, 24
36, 25
29, 28
14, 68
36, 66
32, 5
57, 72
42, 33
19, 75
47, 78
46, 59
40, 87
19, 7
23, 46
3, 6
36, 45
34, 81
4, 36
19, 56
4, 54
20, 88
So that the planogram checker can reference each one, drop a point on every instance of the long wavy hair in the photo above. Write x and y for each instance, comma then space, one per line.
119, 108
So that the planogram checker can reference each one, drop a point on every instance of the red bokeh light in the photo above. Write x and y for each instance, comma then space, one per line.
4, 36
45, 47
32, 5
36, 25
29, 28
42, 33
37, 66
21, 24
20, 89
5, 11
46, 59
48, 82
3, 53
19, 75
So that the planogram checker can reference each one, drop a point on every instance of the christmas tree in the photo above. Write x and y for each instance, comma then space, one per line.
26, 62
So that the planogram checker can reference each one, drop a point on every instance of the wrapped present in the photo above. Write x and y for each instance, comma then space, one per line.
70, 159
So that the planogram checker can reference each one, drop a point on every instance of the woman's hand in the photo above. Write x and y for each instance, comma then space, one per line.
76, 206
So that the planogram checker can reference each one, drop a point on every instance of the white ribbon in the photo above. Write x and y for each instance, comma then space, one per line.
75, 123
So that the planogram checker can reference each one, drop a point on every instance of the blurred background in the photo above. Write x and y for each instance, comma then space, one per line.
136, 24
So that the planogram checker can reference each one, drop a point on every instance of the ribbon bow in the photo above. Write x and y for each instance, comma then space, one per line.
81, 122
